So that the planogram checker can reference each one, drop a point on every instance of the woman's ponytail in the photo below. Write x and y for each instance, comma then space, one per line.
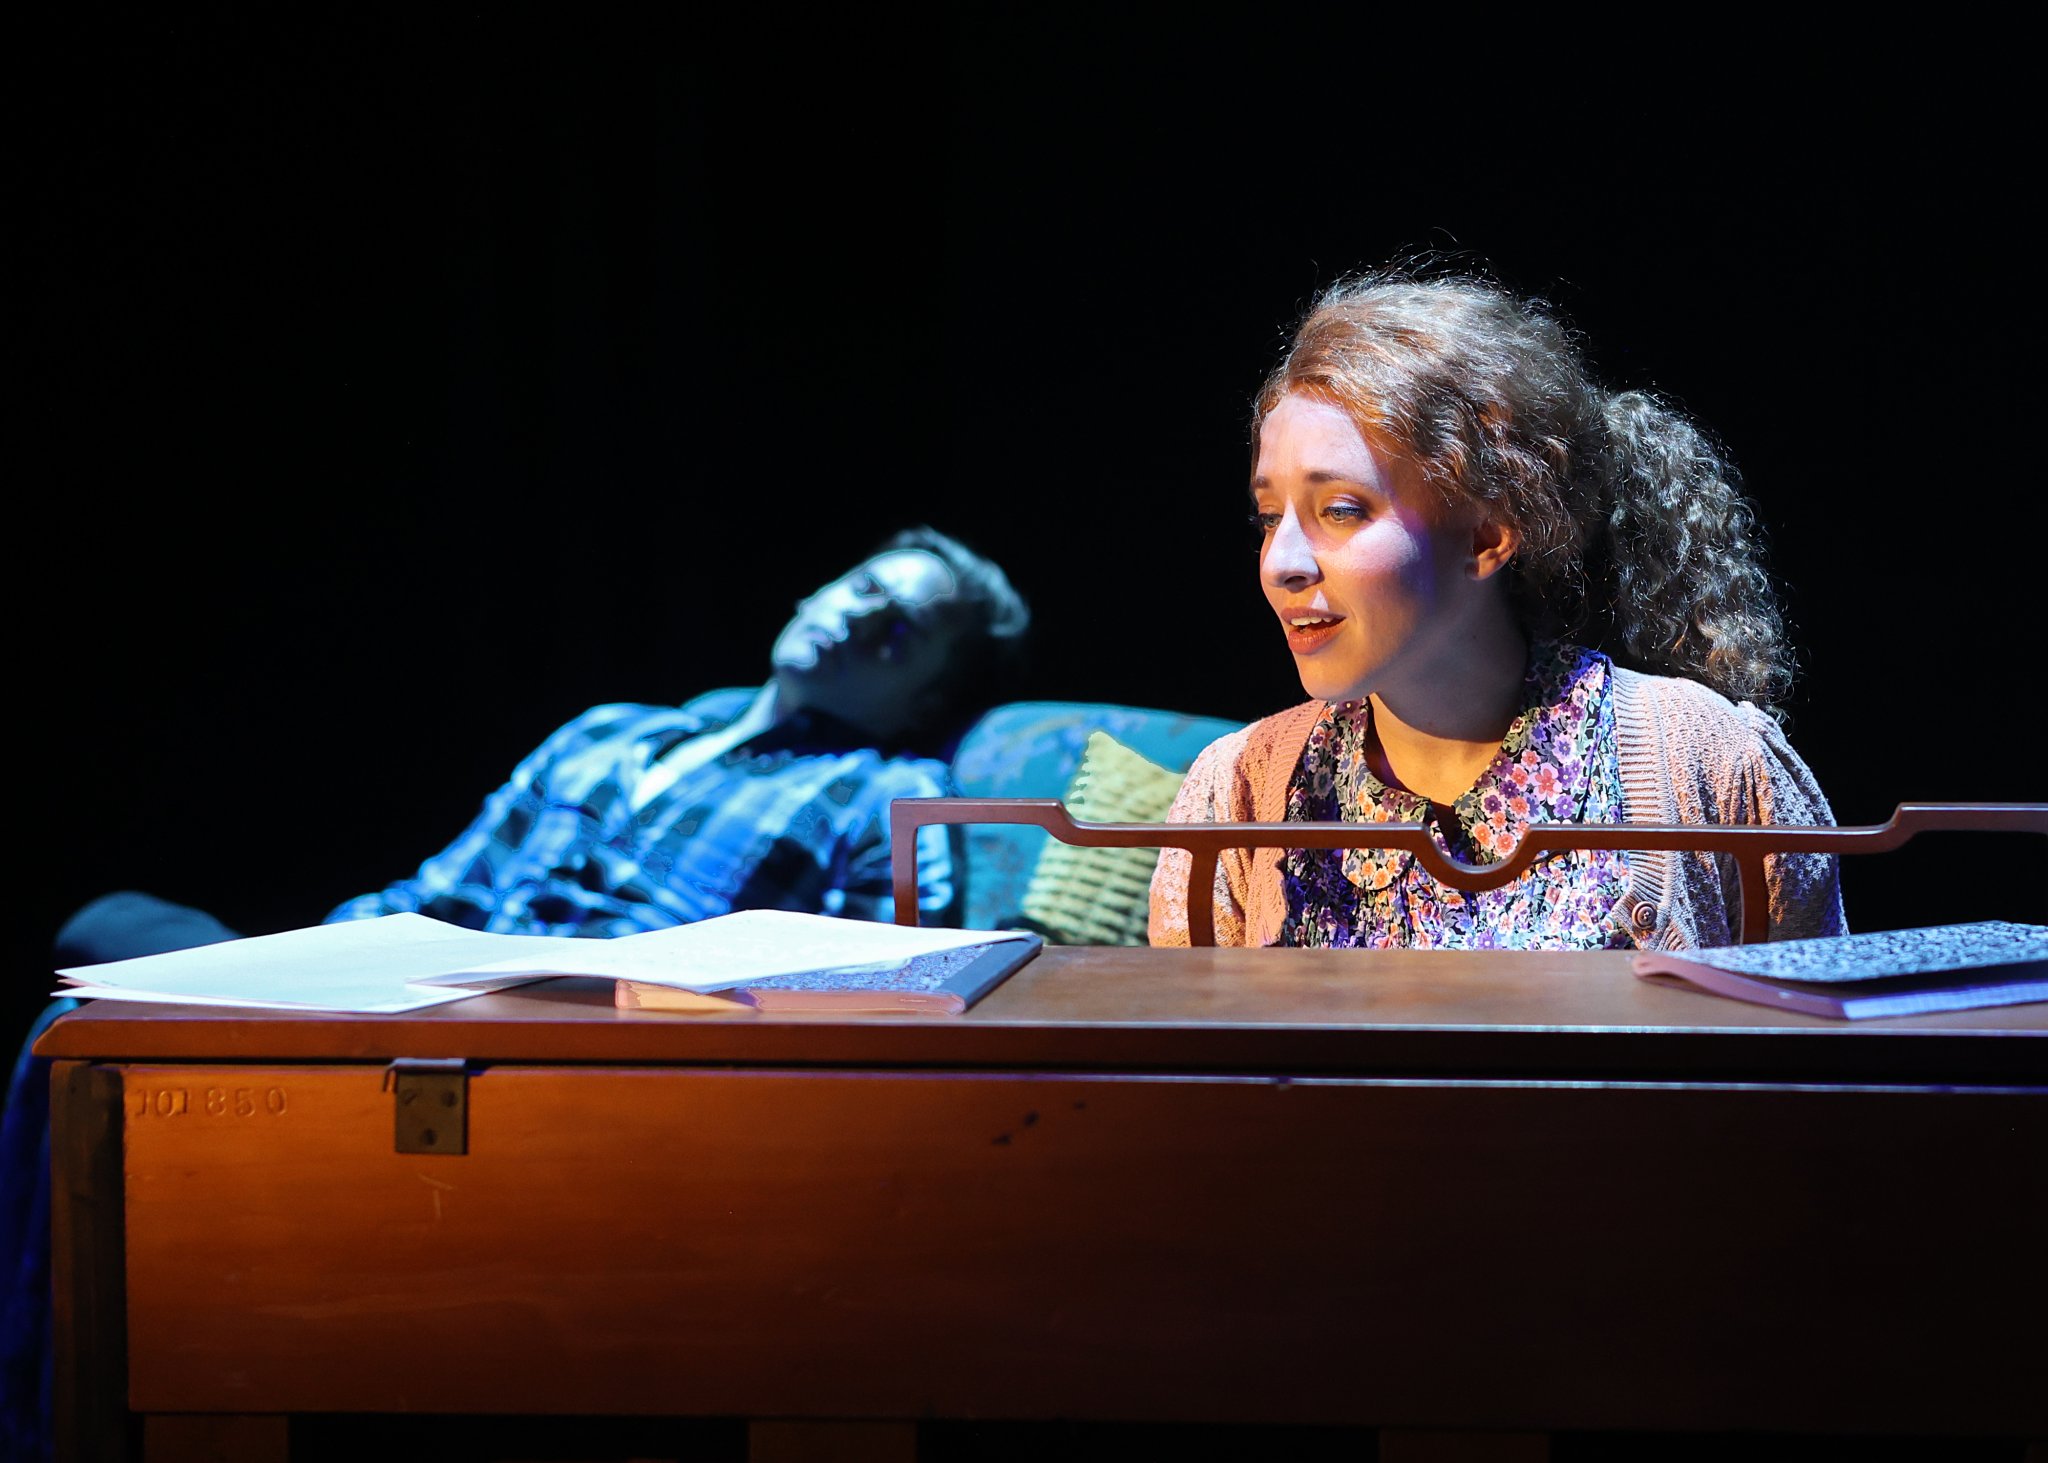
1689, 595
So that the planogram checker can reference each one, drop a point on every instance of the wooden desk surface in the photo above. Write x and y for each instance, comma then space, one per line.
1413, 1189
1559, 1015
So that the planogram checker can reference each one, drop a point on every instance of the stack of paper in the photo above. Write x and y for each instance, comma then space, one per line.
403, 962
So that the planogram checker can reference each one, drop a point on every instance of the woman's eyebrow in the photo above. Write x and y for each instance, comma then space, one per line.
1317, 477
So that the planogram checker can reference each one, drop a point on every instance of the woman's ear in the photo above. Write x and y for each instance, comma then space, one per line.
1493, 544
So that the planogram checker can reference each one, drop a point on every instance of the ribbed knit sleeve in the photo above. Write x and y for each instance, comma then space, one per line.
1805, 888
1204, 797
1241, 778
1690, 755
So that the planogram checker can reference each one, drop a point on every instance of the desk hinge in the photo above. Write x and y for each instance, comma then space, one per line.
430, 1096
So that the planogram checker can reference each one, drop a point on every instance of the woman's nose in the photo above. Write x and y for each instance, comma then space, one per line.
1286, 562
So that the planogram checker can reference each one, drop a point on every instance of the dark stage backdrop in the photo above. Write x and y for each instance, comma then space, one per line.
381, 393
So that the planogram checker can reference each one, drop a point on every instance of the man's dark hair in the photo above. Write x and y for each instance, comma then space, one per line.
988, 653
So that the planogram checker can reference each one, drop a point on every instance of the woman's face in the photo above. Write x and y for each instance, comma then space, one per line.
1368, 570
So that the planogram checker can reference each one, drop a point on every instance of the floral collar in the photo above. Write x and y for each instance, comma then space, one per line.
1539, 775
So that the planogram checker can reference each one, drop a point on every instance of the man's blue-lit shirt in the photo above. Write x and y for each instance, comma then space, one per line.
796, 817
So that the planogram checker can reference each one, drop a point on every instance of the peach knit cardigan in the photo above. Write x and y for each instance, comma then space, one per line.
1688, 755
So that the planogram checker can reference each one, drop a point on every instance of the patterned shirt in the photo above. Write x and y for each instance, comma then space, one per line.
1558, 763
796, 817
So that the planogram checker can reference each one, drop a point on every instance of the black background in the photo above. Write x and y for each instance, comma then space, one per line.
381, 392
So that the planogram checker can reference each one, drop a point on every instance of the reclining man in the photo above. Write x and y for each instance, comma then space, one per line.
632, 818
638, 817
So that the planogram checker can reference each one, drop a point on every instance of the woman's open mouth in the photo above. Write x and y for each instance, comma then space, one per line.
1309, 630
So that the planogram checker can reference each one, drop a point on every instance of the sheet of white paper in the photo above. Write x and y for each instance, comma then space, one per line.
735, 949
402, 962
370, 965
369, 1000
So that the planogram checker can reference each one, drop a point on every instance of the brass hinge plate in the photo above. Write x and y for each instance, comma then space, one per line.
430, 1097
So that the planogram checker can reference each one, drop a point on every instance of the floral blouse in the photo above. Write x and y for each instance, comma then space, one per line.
1558, 763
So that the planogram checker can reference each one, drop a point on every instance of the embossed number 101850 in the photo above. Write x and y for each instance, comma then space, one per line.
214, 1102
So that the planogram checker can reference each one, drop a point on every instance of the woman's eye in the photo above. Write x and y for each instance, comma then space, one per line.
1344, 512
1264, 522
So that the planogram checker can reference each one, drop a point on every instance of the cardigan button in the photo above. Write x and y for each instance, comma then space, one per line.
1644, 917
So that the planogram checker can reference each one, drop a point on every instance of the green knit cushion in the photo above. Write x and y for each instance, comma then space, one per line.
1099, 896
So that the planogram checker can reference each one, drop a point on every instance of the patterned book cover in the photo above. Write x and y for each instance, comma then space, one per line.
945, 981
1882, 973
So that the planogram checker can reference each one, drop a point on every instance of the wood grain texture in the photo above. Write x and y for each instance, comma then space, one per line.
816, 1244
89, 1312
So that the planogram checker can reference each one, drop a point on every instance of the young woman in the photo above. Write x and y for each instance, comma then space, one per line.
1515, 598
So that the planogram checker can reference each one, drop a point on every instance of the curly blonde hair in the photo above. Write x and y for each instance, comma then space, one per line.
1635, 534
